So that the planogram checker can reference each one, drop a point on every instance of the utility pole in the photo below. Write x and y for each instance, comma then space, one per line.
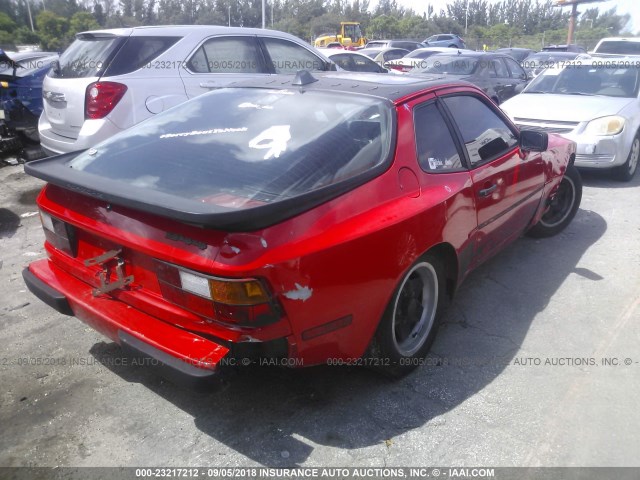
263, 12
29, 12
574, 14
466, 19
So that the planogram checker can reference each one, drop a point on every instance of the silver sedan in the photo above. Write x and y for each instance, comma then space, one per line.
595, 102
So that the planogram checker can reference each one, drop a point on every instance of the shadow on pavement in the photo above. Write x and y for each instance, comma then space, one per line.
602, 179
275, 416
9, 223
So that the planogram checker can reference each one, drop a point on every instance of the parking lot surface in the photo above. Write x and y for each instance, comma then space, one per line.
536, 364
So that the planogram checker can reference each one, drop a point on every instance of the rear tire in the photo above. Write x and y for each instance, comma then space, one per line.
626, 171
410, 322
562, 208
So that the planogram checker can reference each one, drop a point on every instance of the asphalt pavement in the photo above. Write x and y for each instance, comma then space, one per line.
537, 364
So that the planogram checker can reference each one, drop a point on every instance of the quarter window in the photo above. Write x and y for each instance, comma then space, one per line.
515, 70
498, 69
138, 52
289, 57
226, 55
436, 149
486, 136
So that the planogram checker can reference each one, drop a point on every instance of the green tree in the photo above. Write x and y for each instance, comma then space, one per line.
6, 23
52, 30
24, 35
99, 14
384, 26
81, 22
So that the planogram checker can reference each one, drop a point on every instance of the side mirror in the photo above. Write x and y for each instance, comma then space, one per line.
531, 141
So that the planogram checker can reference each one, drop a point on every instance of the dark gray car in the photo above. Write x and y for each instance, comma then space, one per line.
500, 76
445, 40
519, 54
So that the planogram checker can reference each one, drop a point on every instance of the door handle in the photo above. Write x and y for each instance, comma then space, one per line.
485, 192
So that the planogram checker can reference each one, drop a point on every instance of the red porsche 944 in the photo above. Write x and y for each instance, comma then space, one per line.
301, 218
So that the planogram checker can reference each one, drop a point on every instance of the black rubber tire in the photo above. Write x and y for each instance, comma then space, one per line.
386, 354
32, 153
626, 171
562, 208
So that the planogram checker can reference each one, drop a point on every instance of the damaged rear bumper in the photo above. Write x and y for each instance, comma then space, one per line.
181, 356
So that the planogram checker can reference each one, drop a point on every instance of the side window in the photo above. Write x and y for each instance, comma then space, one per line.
289, 57
365, 64
344, 61
393, 55
226, 55
137, 52
486, 136
436, 149
515, 70
500, 69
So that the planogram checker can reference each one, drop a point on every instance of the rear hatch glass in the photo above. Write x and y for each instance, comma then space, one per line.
241, 157
619, 47
87, 56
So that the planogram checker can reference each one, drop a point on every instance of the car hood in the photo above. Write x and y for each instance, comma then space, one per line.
570, 108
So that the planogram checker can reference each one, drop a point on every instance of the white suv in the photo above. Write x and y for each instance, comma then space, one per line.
109, 80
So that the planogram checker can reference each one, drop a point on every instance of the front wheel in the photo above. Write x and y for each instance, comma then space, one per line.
562, 208
627, 170
409, 324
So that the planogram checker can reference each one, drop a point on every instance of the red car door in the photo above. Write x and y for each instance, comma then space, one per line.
507, 187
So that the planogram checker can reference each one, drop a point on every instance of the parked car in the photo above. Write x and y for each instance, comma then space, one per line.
109, 80
384, 55
518, 54
415, 59
242, 224
354, 61
21, 76
499, 76
536, 63
618, 46
564, 48
445, 40
404, 44
595, 104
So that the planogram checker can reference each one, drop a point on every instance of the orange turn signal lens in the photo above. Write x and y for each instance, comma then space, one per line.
248, 292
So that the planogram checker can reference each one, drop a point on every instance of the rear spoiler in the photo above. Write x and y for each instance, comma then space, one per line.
55, 171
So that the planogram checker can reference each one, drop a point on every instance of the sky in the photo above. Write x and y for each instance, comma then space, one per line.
624, 6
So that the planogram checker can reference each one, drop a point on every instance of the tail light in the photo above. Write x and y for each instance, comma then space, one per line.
101, 98
59, 234
399, 68
242, 302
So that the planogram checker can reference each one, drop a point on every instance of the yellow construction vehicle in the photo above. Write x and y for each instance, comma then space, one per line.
349, 35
